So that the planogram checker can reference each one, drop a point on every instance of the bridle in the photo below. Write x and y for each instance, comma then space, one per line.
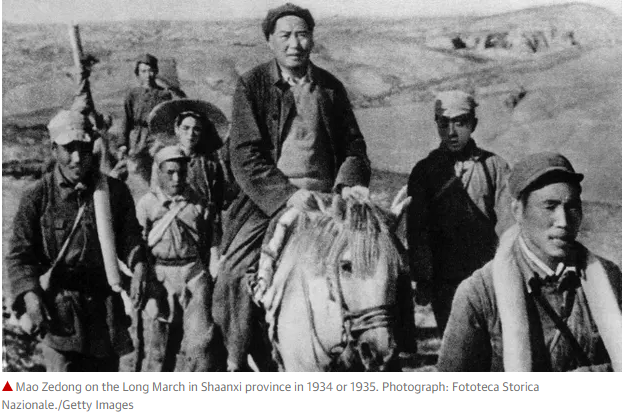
344, 354
354, 323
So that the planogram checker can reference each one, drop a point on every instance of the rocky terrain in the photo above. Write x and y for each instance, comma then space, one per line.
546, 78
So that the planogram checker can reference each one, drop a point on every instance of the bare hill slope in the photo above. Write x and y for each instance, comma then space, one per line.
392, 68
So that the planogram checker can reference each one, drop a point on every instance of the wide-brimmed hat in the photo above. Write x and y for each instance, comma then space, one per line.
161, 119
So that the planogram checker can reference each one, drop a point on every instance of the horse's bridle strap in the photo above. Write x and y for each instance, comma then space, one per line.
369, 318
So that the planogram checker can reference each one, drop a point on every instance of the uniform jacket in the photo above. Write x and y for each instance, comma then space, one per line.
186, 237
263, 105
451, 227
138, 104
473, 337
206, 178
86, 315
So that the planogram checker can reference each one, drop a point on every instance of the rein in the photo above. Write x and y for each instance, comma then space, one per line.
343, 355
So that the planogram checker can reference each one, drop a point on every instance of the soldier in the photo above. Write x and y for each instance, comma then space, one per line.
458, 197
57, 235
177, 228
195, 125
545, 302
138, 103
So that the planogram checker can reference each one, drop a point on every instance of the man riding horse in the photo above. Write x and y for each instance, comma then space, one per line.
293, 132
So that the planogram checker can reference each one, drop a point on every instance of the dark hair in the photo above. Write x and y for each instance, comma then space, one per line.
209, 135
471, 115
139, 62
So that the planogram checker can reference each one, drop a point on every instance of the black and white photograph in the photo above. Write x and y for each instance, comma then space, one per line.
311, 186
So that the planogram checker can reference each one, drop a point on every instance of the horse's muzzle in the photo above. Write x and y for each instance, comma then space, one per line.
377, 351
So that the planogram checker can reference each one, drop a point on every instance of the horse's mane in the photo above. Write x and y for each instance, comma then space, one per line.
320, 237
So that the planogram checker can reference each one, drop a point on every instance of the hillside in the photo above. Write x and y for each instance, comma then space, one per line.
546, 78
571, 81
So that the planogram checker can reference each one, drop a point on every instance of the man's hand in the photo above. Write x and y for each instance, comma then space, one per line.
423, 293
137, 288
122, 152
303, 200
120, 171
32, 321
358, 192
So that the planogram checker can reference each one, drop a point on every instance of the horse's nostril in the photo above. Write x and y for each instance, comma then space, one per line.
365, 351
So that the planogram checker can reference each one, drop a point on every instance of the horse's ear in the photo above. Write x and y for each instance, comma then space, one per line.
399, 210
399, 201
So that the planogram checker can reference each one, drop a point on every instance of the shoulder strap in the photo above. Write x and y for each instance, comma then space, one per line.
155, 234
563, 328
45, 278
490, 195
487, 175
444, 188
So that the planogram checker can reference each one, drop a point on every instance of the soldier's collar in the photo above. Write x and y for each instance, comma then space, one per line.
545, 275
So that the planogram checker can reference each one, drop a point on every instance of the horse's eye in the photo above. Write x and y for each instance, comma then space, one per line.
346, 266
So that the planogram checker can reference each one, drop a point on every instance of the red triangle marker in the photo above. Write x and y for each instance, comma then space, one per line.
7, 387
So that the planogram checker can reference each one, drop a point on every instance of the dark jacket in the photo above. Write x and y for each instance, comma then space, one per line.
137, 105
263, 106
87, 317
451, 228
206, 178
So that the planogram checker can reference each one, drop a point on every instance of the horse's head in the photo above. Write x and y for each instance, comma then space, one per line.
368, 260
347, 260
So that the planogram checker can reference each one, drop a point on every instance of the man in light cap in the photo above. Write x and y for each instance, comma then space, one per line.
138, 103
56, 264
545, 302
293, 130
180, 333
458, 197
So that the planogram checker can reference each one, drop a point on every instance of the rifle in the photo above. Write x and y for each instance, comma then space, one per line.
101, 195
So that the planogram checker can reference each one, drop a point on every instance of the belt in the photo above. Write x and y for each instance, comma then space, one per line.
176, 261
82, 279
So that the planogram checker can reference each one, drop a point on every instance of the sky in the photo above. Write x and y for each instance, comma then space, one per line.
37, 11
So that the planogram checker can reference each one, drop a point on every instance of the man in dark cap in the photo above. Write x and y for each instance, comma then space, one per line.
60, 280
458, 198
138, 103
293, 131
545, 302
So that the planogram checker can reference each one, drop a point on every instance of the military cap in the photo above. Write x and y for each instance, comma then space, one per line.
288, 9
170, 153
534, 168
70, 126
454, 103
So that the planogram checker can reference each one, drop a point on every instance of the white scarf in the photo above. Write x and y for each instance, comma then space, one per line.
508, 285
